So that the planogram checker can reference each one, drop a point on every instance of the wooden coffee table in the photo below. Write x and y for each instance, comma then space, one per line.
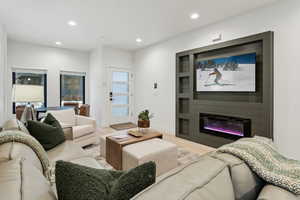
114, 146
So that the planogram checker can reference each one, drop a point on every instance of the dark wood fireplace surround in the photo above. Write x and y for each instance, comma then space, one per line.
255, 106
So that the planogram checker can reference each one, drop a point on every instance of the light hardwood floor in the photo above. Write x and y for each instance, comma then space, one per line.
190, 146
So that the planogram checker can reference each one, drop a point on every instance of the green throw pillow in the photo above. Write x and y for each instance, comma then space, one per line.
81, 183
52, 121
49, 133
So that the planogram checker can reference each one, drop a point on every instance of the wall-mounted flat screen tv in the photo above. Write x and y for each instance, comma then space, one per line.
227, 74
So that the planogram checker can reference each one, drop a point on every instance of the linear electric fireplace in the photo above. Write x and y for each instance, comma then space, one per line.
225, 126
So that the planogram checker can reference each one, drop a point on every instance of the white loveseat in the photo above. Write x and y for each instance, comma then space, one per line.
81, 130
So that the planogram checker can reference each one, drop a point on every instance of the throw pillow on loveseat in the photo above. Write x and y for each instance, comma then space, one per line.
49, 132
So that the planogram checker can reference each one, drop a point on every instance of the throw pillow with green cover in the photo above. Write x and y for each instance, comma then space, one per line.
78, 182
49, 132
51, 120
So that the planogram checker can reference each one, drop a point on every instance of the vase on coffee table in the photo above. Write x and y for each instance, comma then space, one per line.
143, 125
144, 120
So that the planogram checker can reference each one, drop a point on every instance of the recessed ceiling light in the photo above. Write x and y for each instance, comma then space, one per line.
58, 43
139, 40
72, 23
194, 16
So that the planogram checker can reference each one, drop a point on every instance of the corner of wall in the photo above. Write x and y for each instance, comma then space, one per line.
97, 76
3, 72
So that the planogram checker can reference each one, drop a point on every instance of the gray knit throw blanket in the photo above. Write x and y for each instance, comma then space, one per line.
262, 158
21, 137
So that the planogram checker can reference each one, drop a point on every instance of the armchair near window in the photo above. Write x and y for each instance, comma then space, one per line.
80, 129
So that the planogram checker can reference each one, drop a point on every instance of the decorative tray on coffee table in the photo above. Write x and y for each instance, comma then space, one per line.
135, 133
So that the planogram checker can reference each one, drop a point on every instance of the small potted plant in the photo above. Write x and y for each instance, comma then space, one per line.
144, 119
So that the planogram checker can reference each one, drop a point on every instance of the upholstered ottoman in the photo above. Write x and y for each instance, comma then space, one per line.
103, 141
163, 153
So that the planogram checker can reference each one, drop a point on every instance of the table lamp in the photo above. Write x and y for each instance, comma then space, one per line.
27, 94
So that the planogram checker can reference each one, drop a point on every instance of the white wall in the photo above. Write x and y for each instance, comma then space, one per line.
101, 59
3, 69
97, 75
54, 60
157, 63
117, 58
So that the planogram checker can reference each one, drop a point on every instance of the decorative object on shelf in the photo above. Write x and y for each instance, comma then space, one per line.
144, 119
28, 94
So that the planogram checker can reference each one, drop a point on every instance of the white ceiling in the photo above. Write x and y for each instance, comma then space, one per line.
115, 23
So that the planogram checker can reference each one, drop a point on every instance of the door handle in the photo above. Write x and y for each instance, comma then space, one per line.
110, 96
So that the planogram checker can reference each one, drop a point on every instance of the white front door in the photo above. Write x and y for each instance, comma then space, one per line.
120, 95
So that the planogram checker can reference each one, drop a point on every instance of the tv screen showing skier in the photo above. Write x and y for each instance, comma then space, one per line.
227, 74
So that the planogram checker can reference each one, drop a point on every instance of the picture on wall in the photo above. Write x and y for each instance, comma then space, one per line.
227, 74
